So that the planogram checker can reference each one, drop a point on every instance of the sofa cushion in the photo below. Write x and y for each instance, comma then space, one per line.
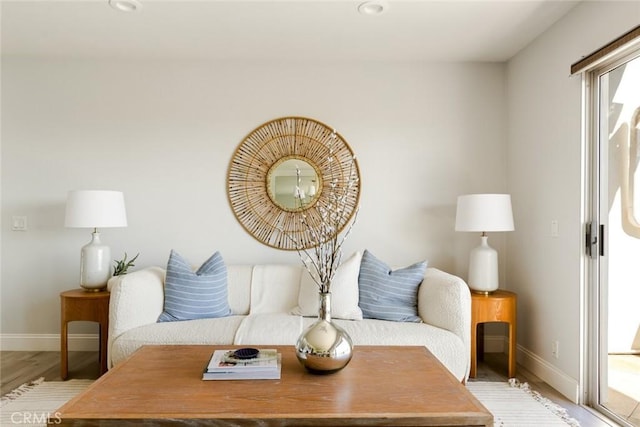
199, 295
446, 346
387, 294
274, 288
218, 331
269, 329
344, 292
239, 287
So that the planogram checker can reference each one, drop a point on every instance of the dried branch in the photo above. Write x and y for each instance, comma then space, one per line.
324, 256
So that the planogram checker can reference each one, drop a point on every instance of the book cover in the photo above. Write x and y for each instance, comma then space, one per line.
224, 366
224, 361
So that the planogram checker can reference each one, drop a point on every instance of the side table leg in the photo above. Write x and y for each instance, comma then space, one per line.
64, 367
474, 350
103, 347
512, 350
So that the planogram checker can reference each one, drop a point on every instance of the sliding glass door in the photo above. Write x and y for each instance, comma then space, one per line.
614, 241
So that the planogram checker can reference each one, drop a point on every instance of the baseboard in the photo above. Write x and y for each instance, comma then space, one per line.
548, 373
48, 342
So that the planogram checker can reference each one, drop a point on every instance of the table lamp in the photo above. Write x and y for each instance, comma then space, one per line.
95, 209
484, 213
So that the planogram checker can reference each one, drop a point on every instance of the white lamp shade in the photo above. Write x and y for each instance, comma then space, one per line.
95, 209
484, 212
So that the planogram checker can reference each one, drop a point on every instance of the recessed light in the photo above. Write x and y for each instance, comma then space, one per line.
125, 5
373, 7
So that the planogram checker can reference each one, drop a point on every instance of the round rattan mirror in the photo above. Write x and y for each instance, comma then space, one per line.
289, 170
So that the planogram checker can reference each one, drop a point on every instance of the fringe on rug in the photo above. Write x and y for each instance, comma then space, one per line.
16, 393
556, 409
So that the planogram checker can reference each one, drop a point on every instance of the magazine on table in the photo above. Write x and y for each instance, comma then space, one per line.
227, 365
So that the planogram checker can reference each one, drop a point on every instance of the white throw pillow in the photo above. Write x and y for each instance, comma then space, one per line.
344, 292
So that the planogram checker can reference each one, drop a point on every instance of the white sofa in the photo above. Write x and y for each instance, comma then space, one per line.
261, 298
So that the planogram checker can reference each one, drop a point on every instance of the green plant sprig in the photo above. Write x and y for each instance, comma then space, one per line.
122, 266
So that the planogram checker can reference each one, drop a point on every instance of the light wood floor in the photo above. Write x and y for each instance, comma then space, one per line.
19, 367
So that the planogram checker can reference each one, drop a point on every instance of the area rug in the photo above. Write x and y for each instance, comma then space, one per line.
33, 403
514, 404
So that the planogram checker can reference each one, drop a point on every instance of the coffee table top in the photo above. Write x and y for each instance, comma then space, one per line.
382, 385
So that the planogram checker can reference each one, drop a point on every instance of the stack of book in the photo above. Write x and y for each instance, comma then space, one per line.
226, 365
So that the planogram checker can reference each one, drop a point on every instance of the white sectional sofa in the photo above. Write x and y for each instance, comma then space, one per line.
261, 298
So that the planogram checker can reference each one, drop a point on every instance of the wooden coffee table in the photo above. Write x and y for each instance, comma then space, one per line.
383, 385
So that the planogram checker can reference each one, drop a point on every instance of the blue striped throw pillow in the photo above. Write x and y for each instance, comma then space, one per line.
195, 295
387, 294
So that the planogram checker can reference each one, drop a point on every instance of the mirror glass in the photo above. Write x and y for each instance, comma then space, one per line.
294, 184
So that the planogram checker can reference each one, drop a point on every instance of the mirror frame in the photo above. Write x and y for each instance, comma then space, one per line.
275, 141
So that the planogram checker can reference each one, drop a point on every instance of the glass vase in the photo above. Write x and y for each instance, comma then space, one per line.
324, 347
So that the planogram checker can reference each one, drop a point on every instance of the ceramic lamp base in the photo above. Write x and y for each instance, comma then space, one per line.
483, 268
95, 264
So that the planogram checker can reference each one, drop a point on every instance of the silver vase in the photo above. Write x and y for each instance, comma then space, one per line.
324, 347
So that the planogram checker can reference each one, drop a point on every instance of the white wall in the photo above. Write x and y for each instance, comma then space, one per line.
545, 177
164, 132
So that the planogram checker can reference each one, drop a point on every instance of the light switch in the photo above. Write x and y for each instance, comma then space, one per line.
554, 228
19, 223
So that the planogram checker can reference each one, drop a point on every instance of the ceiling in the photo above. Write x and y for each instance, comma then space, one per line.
325, 30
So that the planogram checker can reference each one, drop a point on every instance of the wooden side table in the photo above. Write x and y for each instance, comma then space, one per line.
78, 304
498, 306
